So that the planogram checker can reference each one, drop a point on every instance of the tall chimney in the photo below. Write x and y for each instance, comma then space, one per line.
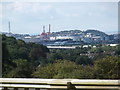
43, 29
9, 26
49, 28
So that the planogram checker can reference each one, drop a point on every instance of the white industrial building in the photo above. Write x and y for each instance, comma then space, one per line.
74, 38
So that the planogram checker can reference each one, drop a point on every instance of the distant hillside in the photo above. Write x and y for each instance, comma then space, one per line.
67, 32
78, 32
95, 32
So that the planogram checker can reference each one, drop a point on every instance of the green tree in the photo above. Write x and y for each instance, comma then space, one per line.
63, 69
22, 69
117, 51
17, 55
83, 60
54, 56
59, 69
23, 53
7, 64
107, 68
21, 43
84, 72
36, 53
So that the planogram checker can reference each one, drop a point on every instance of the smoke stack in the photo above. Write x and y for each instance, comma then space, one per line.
49, 28
9, 26
43, 29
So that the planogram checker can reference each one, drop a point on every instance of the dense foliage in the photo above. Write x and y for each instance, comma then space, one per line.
106, 68
22, 59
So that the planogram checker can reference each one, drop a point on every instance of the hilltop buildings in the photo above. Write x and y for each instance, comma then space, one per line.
69, 37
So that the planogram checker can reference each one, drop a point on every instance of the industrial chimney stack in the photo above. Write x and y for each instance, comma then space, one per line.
49, 28
9, 27
43, 29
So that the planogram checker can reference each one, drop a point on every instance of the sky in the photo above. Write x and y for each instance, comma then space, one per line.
30, 17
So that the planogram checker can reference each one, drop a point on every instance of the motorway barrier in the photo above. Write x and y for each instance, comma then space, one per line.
58, 84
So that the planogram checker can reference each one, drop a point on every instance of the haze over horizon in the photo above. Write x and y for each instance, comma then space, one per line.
29, 18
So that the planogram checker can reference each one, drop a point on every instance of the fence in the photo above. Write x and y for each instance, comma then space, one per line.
55, 84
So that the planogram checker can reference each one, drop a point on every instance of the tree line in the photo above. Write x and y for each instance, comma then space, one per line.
30, 60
